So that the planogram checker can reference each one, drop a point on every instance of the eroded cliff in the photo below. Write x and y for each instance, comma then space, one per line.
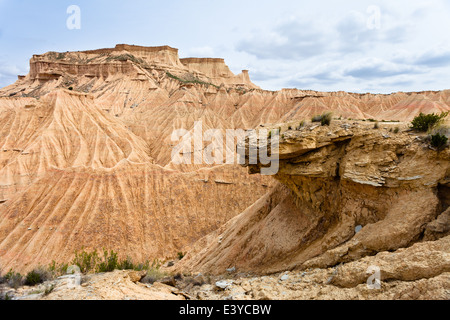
348, 194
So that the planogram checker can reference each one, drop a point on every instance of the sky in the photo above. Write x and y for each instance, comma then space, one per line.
324, 45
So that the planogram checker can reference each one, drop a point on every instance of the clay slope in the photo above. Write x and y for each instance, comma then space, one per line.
346, 192
139, 210
61, 130
74, 177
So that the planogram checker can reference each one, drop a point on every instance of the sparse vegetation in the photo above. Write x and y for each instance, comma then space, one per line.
126, 57
439, 141
110, 262
153, 275
426, 122
377, 125
58, 269
301, 125
49, 290
324, 119
13, 279
37, 276
92, 262
89, 263
396, 130
86, 261
180, 255
193, 81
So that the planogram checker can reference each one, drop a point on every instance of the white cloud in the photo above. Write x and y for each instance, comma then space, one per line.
200, 52
374, 68
9, 73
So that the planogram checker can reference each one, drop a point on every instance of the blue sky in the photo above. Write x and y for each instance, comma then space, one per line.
359, 46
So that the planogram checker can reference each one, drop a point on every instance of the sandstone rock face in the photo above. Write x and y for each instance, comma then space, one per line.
347, 192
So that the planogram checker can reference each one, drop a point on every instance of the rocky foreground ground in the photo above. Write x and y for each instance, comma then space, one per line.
420, 272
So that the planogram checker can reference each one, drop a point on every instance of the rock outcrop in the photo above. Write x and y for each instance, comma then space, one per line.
347, 192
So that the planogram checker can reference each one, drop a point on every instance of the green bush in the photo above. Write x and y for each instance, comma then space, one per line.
91, 262
38, 276
192, 81
33, 278
86, 261
127, 264
439, 141
324, 119
153, 275
13, 279
58, 269
110, 262
425, 122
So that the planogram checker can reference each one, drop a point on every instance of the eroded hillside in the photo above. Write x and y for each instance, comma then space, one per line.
86, 156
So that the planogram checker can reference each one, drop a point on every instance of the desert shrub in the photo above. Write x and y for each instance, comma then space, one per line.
13, 279
58, 269
396, 130
4, 296
142, 266
91, 262
71, 88
37, 276
127, 264
110, 262
180, 255
425, 122
324, 119
153, 275
49, 290
194, 80
439, 141
377, 125
86, 261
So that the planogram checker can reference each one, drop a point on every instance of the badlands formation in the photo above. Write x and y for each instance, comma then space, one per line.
85, 162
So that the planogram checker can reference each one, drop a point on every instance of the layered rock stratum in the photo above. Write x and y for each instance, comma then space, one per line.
351, 196
86, 162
